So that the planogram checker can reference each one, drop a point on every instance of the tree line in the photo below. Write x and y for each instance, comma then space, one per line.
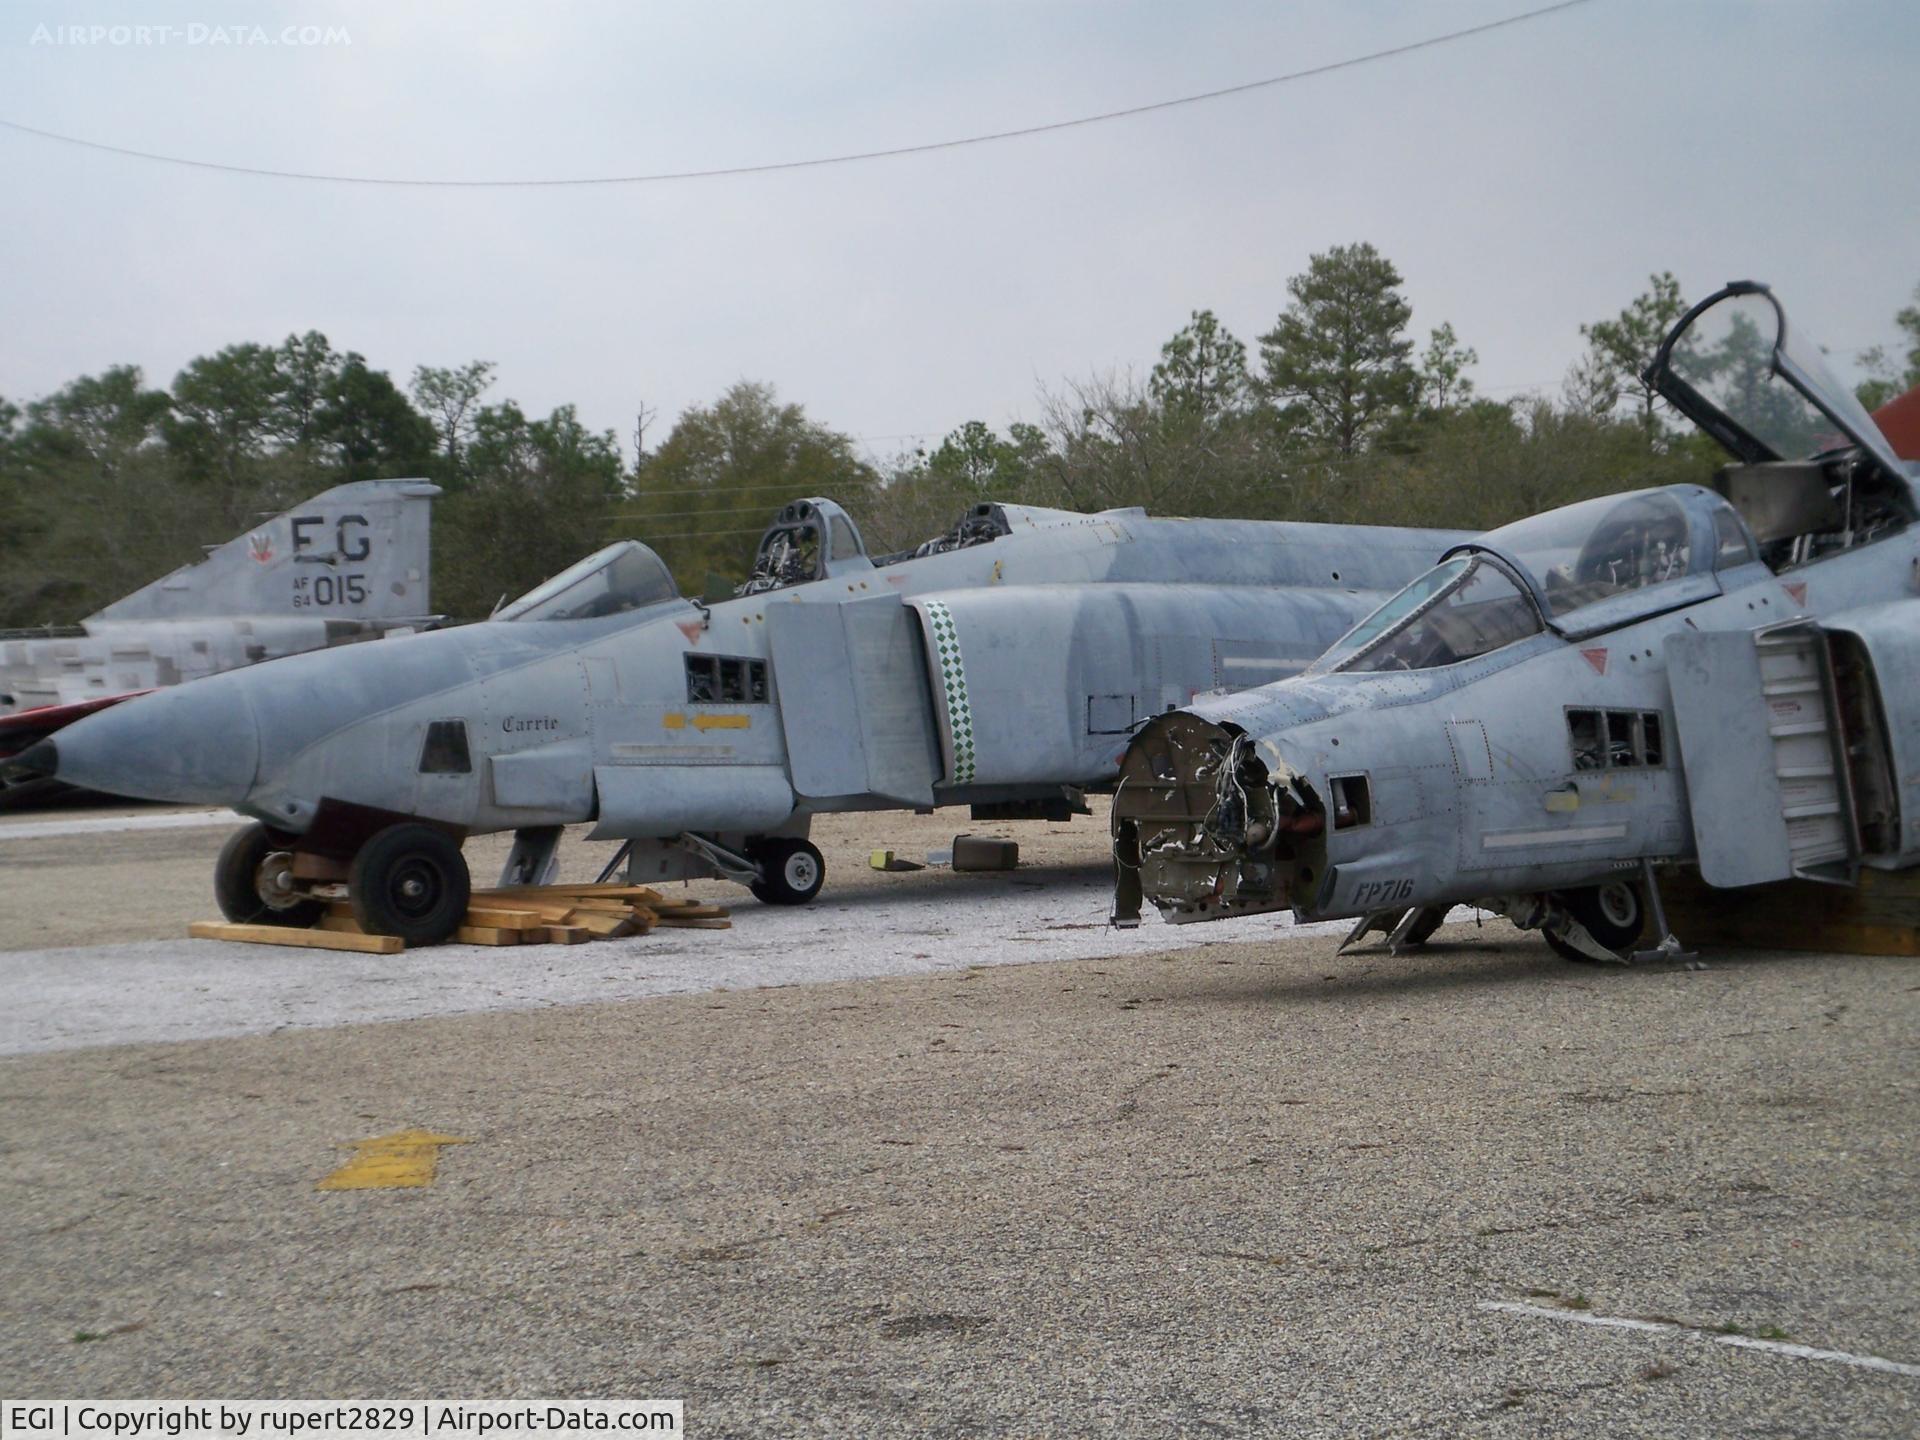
1338, 412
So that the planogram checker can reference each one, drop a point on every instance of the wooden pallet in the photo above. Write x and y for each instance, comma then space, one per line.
1879, 916
517, 915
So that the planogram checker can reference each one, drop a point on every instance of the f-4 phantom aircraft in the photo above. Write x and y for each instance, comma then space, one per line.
1724, 678
349, 564
1001, 665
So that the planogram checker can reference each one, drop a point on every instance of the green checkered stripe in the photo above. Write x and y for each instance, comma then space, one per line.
953, 676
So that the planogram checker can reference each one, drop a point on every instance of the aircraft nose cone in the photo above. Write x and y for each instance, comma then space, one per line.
196, 742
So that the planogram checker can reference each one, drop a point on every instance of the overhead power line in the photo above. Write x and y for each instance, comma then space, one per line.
927, 147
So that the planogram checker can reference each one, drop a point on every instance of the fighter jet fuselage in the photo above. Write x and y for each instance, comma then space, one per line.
1004, 664
1715, 678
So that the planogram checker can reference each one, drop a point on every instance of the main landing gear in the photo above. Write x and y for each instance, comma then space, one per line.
791, 871
778, 869
1612, 914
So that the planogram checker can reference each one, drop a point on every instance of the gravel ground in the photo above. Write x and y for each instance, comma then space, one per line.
1237, 1188
1245, 1189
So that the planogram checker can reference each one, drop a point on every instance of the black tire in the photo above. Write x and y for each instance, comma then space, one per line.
791, 872
1613, 914
243, 881
411, 881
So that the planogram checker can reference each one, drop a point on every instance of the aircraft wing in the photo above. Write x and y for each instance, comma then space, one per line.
25, 727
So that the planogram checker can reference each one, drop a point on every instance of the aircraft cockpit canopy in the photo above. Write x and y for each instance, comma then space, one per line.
1582, 554
1465, 606
808, 540
624, 576
1582, 568
1815, 473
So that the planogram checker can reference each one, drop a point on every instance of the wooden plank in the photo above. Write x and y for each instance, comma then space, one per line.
692, 910
601, 907
300, 939
487, 916
671, 921
339, 924
642, 893
604, 927
487, 935
567, 934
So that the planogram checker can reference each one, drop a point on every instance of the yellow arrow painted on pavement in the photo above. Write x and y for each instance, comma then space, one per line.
400, 1161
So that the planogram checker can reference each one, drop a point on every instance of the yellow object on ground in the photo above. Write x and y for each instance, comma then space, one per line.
403, 1160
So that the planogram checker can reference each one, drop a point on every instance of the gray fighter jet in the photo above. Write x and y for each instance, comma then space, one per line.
1720, 678
350, 564
1001, 665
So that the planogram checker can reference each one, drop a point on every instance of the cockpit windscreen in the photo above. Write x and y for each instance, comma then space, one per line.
622, 577
1462, 608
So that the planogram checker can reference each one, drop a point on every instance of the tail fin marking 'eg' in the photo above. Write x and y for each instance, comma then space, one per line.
359, 551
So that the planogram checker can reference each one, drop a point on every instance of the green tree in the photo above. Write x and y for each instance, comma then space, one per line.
1887, 377
1202, 370
1336, 360
367, 428
226, 417
536, 499
91, 506
725, 467
1622, 347
1444, 383
308, 366
448, 397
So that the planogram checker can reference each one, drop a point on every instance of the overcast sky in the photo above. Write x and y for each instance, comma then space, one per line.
1524, 181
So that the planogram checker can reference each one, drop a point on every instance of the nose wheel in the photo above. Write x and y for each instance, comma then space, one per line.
411, 881
791, 871
253, 882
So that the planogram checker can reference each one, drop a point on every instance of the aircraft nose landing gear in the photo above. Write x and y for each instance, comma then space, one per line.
411, 881
252, 881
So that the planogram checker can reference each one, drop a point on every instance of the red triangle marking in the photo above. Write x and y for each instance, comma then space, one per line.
690, 629
1597, 658
1796, 591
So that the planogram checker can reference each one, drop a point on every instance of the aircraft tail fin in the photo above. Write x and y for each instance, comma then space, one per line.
359, 551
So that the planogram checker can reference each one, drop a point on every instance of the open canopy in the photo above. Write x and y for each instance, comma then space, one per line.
1738, 370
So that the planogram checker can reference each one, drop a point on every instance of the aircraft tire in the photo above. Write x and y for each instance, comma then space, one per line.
237, 887
791, 870
412, 881
1613, 914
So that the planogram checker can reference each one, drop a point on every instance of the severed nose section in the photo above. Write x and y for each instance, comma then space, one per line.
195, 742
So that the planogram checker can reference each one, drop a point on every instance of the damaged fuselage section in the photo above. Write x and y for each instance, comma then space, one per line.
1209, 826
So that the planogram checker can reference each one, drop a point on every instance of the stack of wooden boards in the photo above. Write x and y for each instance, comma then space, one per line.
517, 915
